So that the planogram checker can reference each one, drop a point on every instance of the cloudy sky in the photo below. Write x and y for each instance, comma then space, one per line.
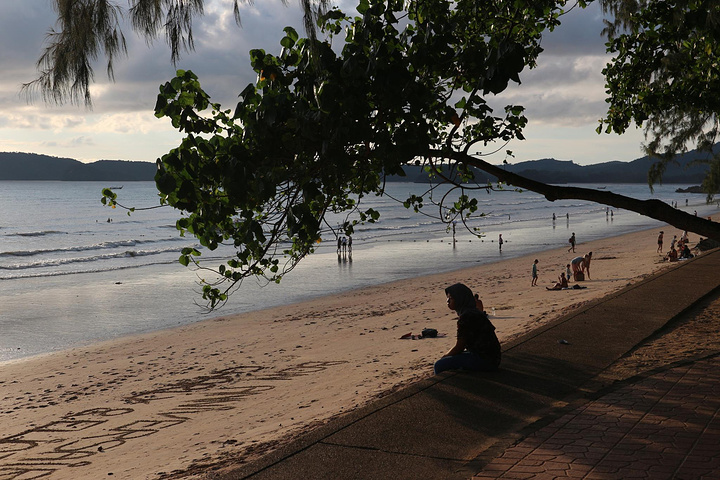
564, 96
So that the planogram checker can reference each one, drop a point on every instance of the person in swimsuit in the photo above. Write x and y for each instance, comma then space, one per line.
577, 266
561, 283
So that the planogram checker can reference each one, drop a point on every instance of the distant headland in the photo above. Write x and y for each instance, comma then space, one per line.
32, 166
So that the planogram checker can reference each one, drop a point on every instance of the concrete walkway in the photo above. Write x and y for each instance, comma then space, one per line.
664, 426
463, 425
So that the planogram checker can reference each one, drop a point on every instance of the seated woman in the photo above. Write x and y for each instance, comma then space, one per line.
672, 255
477, 347
561, 283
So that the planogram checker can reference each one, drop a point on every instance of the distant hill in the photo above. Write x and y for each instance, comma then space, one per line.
549, 170
31, 166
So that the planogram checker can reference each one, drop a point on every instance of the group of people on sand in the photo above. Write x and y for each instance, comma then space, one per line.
476, 346
577, 269
679, 249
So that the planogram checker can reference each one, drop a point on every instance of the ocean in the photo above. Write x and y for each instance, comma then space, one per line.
74, 272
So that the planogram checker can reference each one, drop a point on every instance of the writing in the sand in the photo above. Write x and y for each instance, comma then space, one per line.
73, 439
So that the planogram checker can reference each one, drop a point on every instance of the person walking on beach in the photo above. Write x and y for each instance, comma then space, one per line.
349, 243
477, 347
660, 242
500, 241
572, 243
534, 273
568, 274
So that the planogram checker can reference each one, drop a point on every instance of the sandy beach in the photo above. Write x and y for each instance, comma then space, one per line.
172, 404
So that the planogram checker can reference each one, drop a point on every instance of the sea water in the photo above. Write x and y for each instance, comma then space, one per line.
73, 271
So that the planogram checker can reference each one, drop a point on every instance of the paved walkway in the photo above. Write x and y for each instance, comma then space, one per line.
461, 425
664, 426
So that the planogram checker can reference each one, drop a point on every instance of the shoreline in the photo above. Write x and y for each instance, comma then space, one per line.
238, 385
99, 302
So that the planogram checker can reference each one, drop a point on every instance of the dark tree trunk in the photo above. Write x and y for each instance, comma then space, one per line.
650, 208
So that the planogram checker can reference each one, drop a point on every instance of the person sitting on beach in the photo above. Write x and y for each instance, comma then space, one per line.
672, 255
686, 252
561, 283
477, 347
568, 273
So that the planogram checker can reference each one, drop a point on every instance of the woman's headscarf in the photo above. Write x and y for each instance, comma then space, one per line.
463, 296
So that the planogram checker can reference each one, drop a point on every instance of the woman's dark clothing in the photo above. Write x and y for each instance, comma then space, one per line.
474, 328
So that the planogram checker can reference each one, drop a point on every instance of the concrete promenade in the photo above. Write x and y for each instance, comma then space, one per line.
548, 412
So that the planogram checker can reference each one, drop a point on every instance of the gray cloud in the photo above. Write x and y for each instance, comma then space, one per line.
565, 90
578, 34
24, 28
221, 57
81, 141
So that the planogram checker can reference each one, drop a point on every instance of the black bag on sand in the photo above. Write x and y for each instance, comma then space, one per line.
429, 333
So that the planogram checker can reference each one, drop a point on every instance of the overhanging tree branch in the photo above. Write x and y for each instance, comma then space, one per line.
650, 208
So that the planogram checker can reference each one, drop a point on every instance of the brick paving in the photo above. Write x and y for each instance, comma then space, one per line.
663, 426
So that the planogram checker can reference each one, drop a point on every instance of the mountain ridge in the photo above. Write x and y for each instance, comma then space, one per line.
33, 166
